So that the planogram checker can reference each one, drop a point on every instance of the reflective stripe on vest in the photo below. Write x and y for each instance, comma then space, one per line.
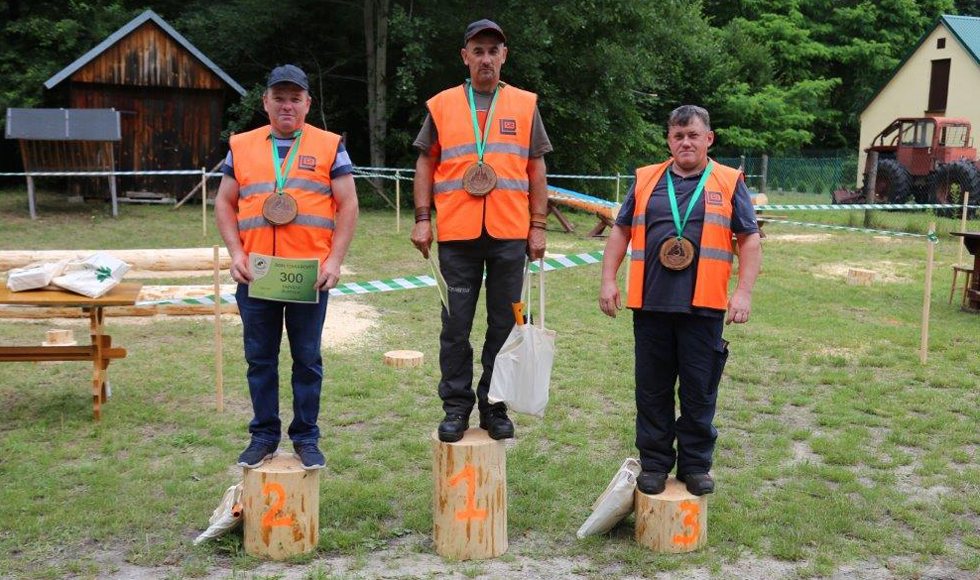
504, 211
311, 233
715, 247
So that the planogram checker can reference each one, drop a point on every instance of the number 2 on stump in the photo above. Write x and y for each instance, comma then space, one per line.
269, 520
470, 513
690, 521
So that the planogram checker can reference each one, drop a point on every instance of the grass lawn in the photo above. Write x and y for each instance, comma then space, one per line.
836, 447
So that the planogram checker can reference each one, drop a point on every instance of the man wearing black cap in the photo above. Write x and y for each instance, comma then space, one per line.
288, 191
481, 161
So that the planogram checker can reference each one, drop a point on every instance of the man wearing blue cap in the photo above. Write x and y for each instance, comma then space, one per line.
481, 162
288, 191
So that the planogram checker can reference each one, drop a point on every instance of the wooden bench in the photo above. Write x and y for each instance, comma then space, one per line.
100, 352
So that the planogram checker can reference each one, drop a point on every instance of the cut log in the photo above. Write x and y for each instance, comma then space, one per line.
673, 521
469, 497
860, 277
60, 337
403, 358
164, 259
281, 508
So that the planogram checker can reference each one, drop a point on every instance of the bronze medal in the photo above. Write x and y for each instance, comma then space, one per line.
479, 179
280, 209
676, 254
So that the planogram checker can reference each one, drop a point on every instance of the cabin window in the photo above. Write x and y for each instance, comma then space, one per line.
954, 136
939, 86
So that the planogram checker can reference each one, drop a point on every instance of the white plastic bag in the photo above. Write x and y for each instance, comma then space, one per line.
34, 276
92, 276
615, 503
226, 516
522, 369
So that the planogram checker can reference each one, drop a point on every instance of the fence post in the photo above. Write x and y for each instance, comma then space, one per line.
870, 183
741, 164
966, 205
924, 347
398, 201
617, 187
204, 200
764, 173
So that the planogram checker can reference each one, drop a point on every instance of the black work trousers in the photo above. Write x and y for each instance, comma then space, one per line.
670, 346
462, 264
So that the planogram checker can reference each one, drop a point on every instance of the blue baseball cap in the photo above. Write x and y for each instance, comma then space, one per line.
288, 73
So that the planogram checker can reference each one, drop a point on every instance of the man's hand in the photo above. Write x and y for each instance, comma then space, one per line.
329, 275
535, 243
422, 237
739, 307
609, 298
239, 269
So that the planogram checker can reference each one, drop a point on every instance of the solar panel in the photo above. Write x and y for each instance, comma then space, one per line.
63, 124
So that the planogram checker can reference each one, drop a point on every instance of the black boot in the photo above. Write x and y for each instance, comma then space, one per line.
652, 482
453, 427
698, 483
496, 422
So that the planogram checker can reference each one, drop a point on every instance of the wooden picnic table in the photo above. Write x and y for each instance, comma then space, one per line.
99, 352
972, 242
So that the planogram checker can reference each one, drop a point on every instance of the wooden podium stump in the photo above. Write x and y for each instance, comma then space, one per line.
281, 503
469, 497
673, 521
403, 358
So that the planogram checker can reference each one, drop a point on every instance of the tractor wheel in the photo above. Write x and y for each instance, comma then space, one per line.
893, 184
950, 182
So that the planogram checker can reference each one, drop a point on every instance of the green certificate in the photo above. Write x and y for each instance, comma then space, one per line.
283, 279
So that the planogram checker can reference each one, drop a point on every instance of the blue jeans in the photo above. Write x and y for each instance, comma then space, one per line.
262, 321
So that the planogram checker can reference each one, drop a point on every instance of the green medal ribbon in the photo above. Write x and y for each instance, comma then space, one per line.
277, 163
481, 143
690, 205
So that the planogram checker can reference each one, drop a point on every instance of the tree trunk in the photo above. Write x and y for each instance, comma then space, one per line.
376, 41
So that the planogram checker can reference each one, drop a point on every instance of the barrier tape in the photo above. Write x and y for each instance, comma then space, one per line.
393, 284
858, 206
932, 237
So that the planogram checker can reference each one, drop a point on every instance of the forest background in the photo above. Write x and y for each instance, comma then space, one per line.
779, 76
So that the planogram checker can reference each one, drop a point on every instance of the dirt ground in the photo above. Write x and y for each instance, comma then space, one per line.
412, 557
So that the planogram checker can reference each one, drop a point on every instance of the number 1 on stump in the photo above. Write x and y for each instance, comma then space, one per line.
470, 513
469, 497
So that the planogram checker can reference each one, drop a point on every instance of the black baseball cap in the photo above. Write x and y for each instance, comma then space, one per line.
288, 73
481, 26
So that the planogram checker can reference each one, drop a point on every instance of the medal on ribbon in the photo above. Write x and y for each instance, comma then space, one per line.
677, 253
480, 178
280, 208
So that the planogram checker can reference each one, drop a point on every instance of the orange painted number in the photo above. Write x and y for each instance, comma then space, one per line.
269, 520
690, 521
470, 513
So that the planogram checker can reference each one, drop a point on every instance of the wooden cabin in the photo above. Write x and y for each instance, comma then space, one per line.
170, 96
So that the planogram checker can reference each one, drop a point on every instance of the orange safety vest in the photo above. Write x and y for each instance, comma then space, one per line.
505, 210
311, 233
715, 253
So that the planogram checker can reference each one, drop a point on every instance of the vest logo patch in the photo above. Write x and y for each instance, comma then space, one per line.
307, 162
508, 127
714, 198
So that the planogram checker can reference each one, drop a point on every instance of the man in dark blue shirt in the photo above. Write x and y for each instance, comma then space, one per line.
677, 331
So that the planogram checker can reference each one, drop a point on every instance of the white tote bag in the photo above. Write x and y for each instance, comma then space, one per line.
522, 369
615, 503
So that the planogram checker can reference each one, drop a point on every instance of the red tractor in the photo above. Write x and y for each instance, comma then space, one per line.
928, 160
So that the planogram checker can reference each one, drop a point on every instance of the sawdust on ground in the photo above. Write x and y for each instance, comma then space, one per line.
884, 271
